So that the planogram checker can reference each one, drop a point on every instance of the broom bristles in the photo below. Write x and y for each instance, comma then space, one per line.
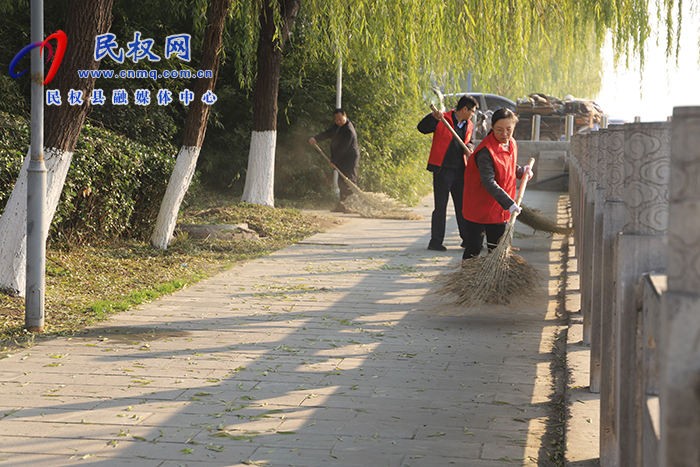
532, 218
378, 206
493, 279
374, 205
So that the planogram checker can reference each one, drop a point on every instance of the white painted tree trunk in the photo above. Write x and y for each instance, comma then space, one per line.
177, 187
260, 180
13, 223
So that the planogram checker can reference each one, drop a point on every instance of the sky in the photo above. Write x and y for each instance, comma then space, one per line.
663, 85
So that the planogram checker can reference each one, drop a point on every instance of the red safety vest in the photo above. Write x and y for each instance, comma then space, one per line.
478, 205
442, 138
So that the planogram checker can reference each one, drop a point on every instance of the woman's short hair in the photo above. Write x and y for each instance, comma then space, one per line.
502, 113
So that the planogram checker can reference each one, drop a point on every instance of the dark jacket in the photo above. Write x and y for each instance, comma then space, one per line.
345, 153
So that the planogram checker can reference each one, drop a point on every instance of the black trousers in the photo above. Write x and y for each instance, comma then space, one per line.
351, 173
446, 182
475, 237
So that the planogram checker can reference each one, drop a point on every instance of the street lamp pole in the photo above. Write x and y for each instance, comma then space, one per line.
36, 184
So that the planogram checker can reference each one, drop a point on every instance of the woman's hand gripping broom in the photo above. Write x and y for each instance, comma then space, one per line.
497, 277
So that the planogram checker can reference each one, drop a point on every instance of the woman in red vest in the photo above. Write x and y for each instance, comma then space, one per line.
489, 184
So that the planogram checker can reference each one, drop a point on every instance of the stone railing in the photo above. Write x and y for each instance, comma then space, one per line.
635, 198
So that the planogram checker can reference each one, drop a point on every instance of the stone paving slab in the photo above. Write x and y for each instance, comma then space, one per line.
332, 352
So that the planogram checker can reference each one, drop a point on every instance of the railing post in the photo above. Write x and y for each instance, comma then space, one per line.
613, 215
569, 127
640, 248
588, 185
535, 127
594, 299
680, 355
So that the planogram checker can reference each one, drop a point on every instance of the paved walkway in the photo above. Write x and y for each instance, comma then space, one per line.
330, 352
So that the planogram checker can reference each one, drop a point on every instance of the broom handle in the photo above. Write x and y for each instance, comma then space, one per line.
523, 183
521, 191
332, 164
467, 151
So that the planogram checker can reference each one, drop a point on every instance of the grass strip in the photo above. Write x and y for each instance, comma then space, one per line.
86, 283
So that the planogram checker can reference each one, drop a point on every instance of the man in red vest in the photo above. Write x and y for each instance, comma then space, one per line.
447, 162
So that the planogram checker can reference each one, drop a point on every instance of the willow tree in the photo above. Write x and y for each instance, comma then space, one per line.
195, 126
276, 18
85, 19
414, 42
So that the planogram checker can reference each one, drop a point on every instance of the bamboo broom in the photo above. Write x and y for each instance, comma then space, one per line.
368, 204
497, 277
529, 216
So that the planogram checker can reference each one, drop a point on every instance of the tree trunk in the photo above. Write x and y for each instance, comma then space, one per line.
259, 184
85, 20
195, 128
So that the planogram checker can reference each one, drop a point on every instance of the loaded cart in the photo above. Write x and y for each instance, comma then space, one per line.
553, 112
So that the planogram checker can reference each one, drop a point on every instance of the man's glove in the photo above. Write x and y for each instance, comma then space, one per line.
527, 172
514, 208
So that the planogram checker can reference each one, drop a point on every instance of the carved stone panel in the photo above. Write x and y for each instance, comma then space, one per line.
575, 151
593, 149
683, 261
601, 163
647, 172
614, 161
583, 152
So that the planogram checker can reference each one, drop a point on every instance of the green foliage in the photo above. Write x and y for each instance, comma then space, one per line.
153, 124
12, 101
393, 153
101, 308
148, 125
113, 188
224, 155
242, 40
550, 67
155, 19
511, 48
306, 98
14, 146
15, 32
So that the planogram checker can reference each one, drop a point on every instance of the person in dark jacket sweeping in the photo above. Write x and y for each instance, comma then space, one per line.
345, 153
447, 162
490, 184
